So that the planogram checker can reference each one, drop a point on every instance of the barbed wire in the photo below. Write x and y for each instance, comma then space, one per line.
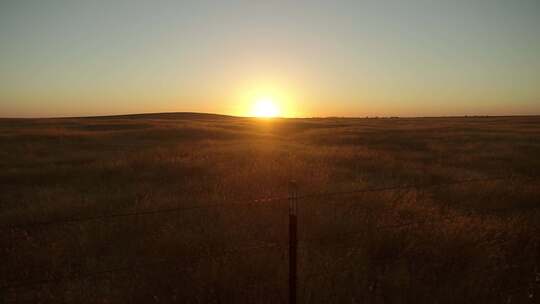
258, 202
137, 213
130, 268
529, 288
410, 186
334, 237
73, 220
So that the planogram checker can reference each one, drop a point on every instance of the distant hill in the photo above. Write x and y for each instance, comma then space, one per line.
167, 115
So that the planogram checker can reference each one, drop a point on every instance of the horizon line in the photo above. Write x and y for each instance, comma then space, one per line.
277, 117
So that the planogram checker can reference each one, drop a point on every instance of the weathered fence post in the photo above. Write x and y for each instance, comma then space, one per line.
293, 201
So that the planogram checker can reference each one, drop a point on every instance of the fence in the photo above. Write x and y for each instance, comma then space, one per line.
295, 203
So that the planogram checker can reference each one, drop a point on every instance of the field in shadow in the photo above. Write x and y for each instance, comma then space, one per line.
472, 242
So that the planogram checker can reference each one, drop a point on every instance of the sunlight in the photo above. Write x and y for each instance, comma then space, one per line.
264, 99
265, 107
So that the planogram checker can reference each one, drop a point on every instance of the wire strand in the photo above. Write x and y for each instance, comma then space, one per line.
130, 268
238, 203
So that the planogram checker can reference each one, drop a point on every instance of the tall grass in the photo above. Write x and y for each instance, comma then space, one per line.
475, 242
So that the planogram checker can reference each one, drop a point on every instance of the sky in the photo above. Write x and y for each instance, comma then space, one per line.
311, 58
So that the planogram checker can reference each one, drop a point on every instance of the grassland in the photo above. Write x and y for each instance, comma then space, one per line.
471, 243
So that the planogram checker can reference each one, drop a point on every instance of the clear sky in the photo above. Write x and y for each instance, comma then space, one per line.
313, 58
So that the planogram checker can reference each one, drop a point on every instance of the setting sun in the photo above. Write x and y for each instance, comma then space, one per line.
265, 107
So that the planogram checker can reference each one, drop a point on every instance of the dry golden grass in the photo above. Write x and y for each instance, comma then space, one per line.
472, 243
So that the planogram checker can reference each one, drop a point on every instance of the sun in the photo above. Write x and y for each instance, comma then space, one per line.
265, 107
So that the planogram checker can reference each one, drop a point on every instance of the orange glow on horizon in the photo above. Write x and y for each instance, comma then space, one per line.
265, 100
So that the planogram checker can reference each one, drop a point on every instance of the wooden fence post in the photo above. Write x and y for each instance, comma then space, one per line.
293, 208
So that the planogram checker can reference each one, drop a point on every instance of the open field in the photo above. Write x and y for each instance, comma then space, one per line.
471, 242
